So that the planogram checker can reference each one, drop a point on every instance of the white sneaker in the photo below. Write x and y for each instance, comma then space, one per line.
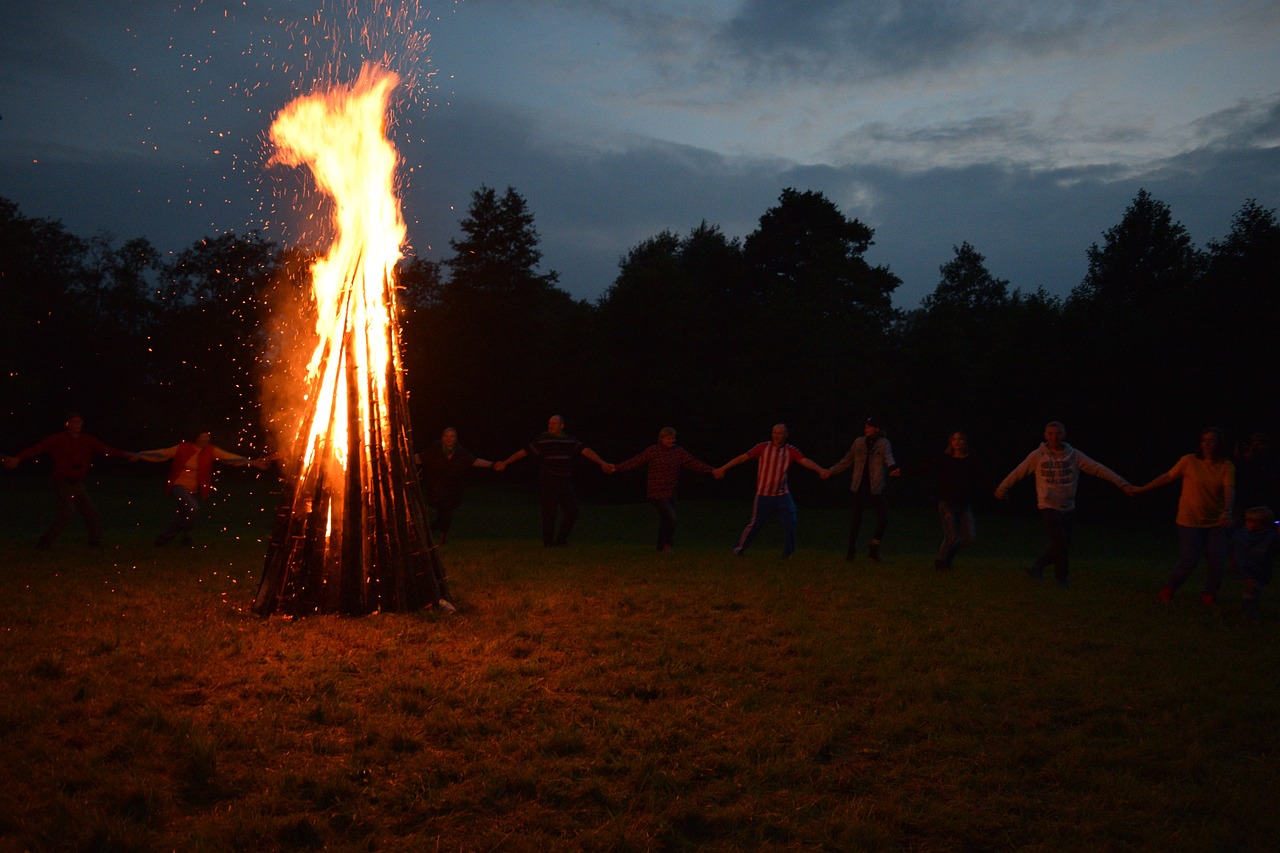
446, 606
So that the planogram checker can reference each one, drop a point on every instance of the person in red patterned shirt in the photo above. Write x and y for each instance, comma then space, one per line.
664, 461
773, 496
72, 451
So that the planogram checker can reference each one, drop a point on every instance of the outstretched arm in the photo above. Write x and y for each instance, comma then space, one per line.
514, 457
594, 457
718, 473
1163, 480
814, 466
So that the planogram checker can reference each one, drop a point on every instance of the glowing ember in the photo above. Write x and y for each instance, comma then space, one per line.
351, 535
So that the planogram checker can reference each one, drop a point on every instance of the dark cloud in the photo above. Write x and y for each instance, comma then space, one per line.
853, 40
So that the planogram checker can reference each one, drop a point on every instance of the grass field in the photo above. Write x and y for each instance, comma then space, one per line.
606, 697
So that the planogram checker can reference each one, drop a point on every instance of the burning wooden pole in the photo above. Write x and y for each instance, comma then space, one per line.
351, 533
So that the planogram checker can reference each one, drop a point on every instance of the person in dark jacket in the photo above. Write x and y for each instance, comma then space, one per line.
72, 452
444, 469
958, 478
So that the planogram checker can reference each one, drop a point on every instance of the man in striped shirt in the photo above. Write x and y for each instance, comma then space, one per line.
773, 497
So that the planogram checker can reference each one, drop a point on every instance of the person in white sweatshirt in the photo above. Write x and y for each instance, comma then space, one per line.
1057, 466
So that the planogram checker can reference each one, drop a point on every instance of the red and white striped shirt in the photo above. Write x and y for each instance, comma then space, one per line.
773, 462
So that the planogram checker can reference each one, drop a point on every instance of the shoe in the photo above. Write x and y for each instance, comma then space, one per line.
445, 606
1165, 595
1207, 599
876, 558
1063, 583
1036, 573
941, 565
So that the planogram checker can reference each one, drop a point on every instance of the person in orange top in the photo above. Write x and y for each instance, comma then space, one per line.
191, 479
1204, 513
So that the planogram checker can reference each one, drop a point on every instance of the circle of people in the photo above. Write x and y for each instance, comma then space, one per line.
1206, 526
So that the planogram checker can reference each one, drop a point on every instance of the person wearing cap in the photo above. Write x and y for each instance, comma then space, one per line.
871, 456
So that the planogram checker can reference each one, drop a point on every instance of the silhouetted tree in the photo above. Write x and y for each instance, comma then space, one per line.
819, 305
503, 341
1131, 325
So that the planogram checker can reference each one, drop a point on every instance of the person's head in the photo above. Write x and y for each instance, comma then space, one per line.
872, 427
555, 425
74, 423
1258, 518
1211, 444
667, 437
1259, 444
957, 444
1055, 434
449, 438
203, 437
778, 435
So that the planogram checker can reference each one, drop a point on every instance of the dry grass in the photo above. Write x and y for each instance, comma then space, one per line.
605, 697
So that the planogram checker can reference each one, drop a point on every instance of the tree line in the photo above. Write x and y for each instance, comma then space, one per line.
715, 335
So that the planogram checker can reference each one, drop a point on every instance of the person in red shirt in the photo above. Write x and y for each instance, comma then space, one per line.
191, 480
72, 452
773, 496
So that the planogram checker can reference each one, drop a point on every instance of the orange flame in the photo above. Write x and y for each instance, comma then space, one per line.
340, 135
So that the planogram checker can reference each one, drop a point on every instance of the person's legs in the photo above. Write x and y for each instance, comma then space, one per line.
1217, 540
880, 505
62, 506
950, 521
966, 528
789, 516
1191, 543
666, 522
1057, 527
761, 508
184, 515
569, 506
550, 501
88, 511
855, 523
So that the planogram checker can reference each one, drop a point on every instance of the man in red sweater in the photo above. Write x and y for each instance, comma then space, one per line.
72, 452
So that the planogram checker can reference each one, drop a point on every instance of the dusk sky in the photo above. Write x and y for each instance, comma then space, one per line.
1024, 128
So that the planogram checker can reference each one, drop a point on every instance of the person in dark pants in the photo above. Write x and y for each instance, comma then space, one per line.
556, 450
1204, 513
871, 456
72, 452
664, 461
958, 479
444, 469
190, 480
1056, 466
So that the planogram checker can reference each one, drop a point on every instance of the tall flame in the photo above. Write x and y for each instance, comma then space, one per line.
340, 134
351, 536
